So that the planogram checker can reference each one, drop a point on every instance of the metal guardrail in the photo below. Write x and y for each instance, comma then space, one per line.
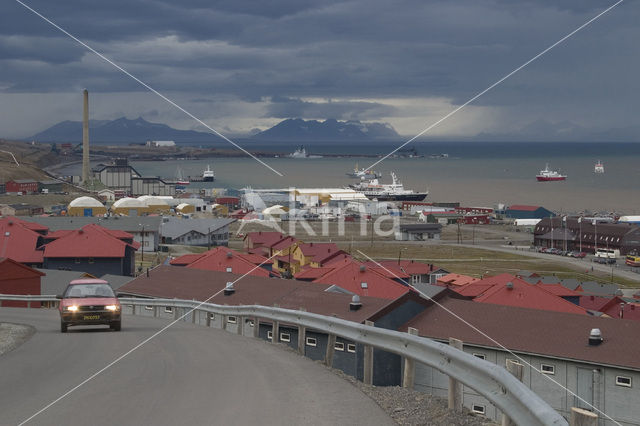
491, 381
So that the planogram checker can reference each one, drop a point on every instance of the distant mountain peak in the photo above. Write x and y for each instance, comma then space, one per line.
299, 130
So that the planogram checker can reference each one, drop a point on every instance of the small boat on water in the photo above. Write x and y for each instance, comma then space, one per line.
363, 173
208, 175
548, 175
302, 153
180, 180
599, 167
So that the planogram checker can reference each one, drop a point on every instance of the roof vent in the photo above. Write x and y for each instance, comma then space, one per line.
6, 234
229, 255
355, 303
228, 289
510, 285
362, 268
595, 337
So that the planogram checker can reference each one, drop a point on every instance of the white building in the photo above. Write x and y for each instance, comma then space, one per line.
161, 143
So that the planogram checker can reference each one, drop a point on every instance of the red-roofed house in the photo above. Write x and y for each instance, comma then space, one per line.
507, 289
410, 270
226, 260
16, 278
19, 242
315, 255
311, 274
257, 239
359, 279
622, 307
92, 249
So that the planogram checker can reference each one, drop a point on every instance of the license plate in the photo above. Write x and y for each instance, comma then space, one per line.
92, 317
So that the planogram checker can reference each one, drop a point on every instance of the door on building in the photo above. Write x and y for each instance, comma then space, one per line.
584, 389
88, 212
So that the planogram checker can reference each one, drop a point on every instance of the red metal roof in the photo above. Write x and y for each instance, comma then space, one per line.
220, 259
555, 334
186, 259
521, 294
312, 273
29, 225
284, 243
558, 290
593, 303
19, 242
89, 241
11, 270
457, 279
263, 238
351, 275
256, 259
176, 282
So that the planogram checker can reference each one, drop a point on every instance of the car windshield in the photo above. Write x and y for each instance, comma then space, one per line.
88, 290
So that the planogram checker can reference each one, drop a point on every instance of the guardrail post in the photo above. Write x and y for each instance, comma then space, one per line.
155, 311
256, 327
194, 312
302, 336
580, 417
133, 309
29, 304
224, 322
275, 332
517, 370
175, 313
455, 388
409, 365
208, 320
240, 322
368, 360
331, 345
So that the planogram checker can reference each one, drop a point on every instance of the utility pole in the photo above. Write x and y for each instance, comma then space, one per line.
142, 257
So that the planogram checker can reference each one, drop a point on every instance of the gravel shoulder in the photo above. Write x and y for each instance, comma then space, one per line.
13, 335
410, 407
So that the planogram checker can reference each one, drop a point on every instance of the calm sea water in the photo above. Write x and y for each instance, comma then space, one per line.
474, 174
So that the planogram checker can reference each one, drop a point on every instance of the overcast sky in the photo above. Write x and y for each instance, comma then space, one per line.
246, 64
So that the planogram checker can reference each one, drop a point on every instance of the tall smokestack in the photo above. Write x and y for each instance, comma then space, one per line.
85, 138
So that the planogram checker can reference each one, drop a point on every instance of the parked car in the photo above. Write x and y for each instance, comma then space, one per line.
580, 254
611, 261
600, 260
89, 302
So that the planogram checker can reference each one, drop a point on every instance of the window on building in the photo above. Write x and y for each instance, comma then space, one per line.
229, 269
77, 260
212, 316
168, 309
91, 260
251, 323
351, 348
285, 337
232, 319
481, 356
269, 335
624, 381
339, 346
364, 285
547, 369
478, 409
311, 341
148, 308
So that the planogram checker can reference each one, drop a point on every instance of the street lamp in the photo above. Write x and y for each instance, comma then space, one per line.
142, 257
400, 253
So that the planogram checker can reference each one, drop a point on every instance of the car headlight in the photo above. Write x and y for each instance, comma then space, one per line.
112, 307
72, 308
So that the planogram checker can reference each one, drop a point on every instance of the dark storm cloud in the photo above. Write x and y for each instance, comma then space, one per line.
258, 51
281, 107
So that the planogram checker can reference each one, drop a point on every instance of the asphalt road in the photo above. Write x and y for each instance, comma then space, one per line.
188, 375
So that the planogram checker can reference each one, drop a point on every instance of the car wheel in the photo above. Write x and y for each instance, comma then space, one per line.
116, 326
63, 327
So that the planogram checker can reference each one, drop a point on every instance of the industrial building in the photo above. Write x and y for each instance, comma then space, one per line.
519, 211
573, 233
151, 186
86, 206
116, 176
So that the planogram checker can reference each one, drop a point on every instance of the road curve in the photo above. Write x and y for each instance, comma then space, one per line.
187, 375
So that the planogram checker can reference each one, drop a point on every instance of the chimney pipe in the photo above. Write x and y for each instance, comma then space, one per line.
595, 337
228, 289
355, 303
85, 138
510, 285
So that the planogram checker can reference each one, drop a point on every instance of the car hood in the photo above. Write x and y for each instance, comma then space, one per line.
83, 301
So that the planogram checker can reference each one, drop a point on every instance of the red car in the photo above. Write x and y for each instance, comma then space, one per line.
89, 302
